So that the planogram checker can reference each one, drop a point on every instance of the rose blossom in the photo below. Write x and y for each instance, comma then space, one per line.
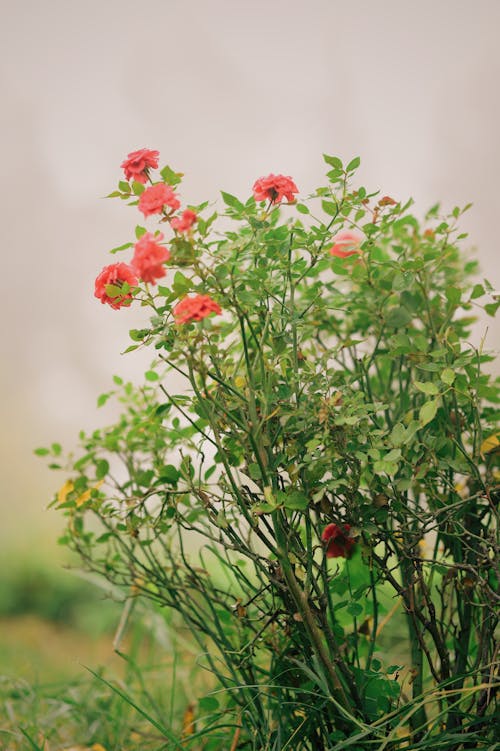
274, 188
153, 199
117, 274
184, 222
339, 544
195, 308
137, 163
346, 243
149, 257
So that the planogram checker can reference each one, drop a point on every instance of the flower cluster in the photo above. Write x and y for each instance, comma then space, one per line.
150, 255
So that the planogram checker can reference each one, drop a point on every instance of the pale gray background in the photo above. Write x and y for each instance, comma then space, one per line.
227, 91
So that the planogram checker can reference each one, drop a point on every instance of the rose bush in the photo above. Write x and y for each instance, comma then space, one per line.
327, 475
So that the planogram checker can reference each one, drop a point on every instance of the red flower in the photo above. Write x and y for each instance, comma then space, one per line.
195, 308
149, 257
184, 222
137, 163
274, 188
110, 280
153, 199
346, 243
339, 544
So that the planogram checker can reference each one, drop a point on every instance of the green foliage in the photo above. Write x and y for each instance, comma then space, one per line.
338, 393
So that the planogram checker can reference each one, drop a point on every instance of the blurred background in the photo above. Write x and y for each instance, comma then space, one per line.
227, 91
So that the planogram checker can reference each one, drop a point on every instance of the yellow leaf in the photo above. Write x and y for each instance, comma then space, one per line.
65, 491
84, 497
490, 444
97, 747
188, 721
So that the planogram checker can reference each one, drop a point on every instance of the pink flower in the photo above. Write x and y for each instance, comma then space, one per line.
339, 544
346, 243
149, 257
154, 199
274, 188
137, 163
184, 222
109, 282
195, 308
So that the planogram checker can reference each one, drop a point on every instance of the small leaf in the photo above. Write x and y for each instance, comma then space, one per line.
353, 164
453, 295
121, 247
427, 387
333, 161
447, 376
295, 500
171, 177
138, 188
232, 201
102, 399
151, 375
398, 434
139, 231
428, 412
330, 208
354, 608
490, 444
478, 291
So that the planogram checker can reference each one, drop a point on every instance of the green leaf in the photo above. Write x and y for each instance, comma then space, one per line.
301, 208
113, 291
330, 208
398, 434
492, 308
139, 231
263, 508
295, 500
478, 291
171, 177
333, 161
138, 188
208, 704
102, 399
181, 283
137, 335
453, 295
448, 376
124, 186
428, 412
121, 247
427, 387
354, 608
41, 451
232, 201
169, 474
353, 164
101, 469
402, 280
151, 375
398, 317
